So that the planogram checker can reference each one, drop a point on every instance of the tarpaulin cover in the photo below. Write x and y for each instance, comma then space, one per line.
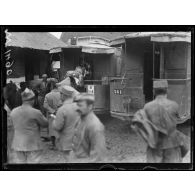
162, 36
97, 49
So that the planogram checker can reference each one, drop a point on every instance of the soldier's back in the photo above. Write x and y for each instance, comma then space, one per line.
65, 122
163, 113
53, 99
26, 128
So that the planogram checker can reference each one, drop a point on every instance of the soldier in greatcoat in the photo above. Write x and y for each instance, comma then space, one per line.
51, 104
27, 145
65, 120
157, 123
89, 140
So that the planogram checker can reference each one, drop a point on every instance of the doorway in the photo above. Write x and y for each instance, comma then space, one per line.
86, 62
148, 75
151, 70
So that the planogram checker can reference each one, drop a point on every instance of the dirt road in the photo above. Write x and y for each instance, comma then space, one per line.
123, 144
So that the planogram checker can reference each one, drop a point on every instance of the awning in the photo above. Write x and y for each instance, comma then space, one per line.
117, 41
139, 34
59, 49
176, 37
162, 36
97, 49
95, 45
55, 50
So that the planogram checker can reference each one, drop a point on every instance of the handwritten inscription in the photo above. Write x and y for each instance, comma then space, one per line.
9, 62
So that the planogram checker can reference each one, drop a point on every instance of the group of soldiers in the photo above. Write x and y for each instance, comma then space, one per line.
77, 132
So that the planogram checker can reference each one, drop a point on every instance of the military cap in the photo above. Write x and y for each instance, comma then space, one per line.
84, 96
27, 94
68, 90
160, 84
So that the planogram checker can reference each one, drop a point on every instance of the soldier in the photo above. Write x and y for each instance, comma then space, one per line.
157, 124
27, 121
89, 140
65, 121
9, 92
43, 87
51, 103
18, 96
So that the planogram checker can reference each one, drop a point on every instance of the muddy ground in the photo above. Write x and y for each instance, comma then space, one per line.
123, 145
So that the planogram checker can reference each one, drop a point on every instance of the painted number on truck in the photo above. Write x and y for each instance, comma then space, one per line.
118, 91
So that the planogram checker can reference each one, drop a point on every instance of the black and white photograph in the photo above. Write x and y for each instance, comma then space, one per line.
96, 99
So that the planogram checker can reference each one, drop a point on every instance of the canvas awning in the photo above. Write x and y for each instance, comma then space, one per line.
172, 37
97, 49
117, 41
59, 49
55, 50
91, 44
162, 36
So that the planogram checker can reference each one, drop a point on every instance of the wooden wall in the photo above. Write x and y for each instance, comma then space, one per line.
131, 97
29, 62
177, 64
18, 67
175, 60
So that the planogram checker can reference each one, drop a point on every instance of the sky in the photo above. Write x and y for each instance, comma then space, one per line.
56, 34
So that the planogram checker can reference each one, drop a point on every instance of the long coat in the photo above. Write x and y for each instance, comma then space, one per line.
51, 103
64, 124
89, 140
157, 124
27, 122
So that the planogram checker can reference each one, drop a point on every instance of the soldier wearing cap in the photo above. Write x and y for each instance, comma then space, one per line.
27, 121
65, 120
165, 143
89, 140
51, 103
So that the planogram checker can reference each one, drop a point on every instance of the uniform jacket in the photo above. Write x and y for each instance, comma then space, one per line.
157, 124
64, 124
89, 139
51, 103
163, 113
27, 122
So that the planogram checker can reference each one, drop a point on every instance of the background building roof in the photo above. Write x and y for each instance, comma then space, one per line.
107, 35
33, 40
